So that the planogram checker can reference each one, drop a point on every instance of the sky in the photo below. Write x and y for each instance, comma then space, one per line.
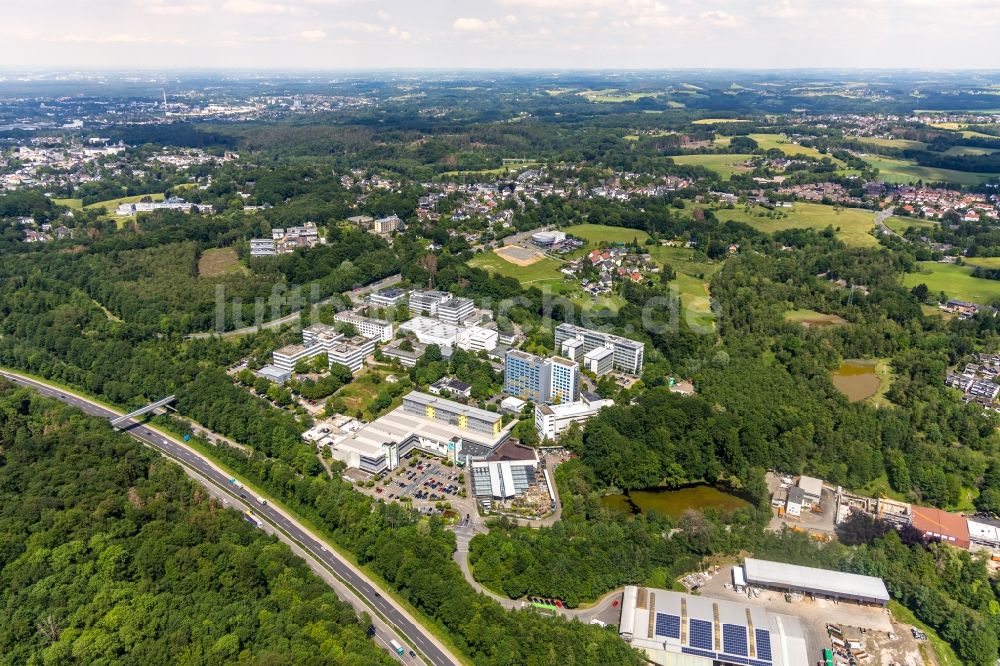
499, 34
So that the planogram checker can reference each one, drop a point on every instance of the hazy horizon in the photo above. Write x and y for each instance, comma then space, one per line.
535, 35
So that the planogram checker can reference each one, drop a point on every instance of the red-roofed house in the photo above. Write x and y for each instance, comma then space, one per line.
938, 525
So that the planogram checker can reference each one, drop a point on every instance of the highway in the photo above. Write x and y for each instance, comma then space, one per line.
218, 481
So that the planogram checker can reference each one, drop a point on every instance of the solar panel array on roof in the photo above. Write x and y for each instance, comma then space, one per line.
734, 640
668, 625
763, 643
723, 658
700, 634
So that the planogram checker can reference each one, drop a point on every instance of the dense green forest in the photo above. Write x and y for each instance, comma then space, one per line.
109, 554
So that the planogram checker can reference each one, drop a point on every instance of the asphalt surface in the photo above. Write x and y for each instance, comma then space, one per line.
191, 459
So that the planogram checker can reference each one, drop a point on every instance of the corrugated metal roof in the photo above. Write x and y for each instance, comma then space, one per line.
823, 581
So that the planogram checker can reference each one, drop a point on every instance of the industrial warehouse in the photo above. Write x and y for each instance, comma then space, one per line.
676, 629
821, 582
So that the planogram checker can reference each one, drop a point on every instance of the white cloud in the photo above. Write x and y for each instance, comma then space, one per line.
396, 32
313, 35
160, 8
783, 9
384, 15
255, 7
720, 18
474, 25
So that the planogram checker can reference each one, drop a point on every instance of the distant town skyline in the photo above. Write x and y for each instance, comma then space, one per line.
545, 34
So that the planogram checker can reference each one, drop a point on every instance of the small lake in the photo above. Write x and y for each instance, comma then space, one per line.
675, 502
856, 379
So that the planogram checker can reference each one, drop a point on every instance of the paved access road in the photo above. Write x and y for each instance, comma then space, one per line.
174, 449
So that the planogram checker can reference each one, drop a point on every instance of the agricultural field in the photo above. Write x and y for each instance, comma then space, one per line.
901, 224
717, 121
853, 224
969, 150
902, 144
613, 95
904, 171
985, 262
785, 145
219, 262
724, 165
955, 281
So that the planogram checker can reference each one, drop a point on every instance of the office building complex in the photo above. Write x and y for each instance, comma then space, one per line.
388, 297
379, 329
627, 355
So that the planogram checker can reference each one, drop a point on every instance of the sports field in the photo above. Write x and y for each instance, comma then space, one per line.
904, 171
955, 281
724, 165
543, 271
853, 224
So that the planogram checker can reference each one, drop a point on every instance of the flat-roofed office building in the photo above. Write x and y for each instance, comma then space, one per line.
628, 355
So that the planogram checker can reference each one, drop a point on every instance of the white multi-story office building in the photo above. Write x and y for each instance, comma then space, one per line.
627, 354
477, 338
600, 361
379, 329
286, 357
552, 420
262, 247
351, 353
455, 310
388, 297
426, 302
431, 331
541, 380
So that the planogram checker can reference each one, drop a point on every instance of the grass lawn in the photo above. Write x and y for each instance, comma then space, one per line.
75, 204
695, 300
901, 224
594, 234
853, 223
955, 281
358, 395
543, 271
785, 145
945, 655
220, 261
905, 171
111, 204
985, 262
724, 165
902, 144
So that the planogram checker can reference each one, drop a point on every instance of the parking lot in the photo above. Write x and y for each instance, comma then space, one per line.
427, 484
